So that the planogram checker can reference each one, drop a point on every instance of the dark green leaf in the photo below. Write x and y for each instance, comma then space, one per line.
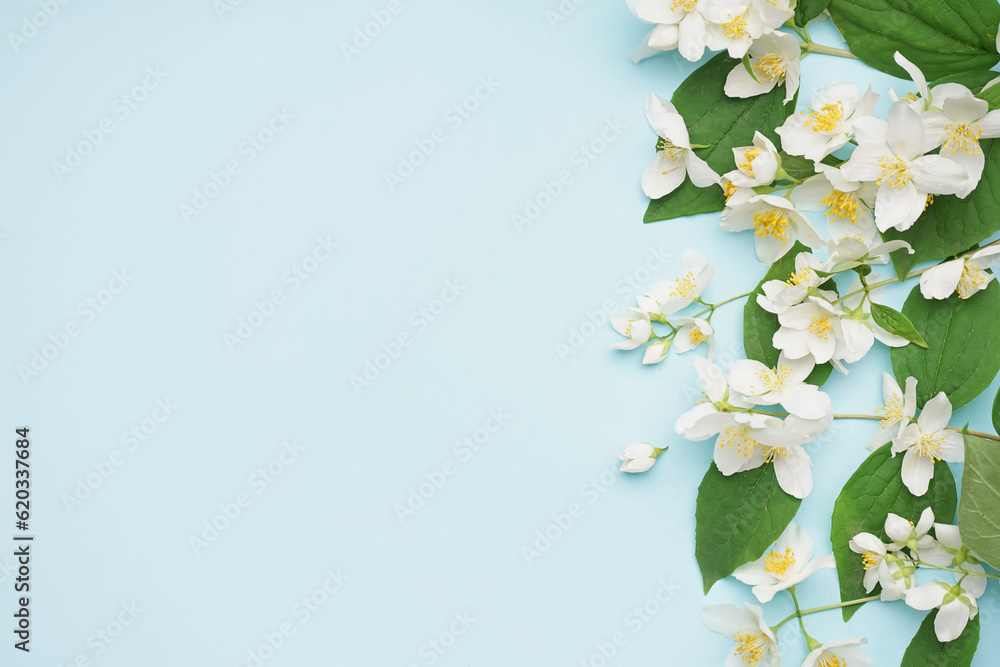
897, 323
738, 518
979, 513
939, 36
759, 325
951, 225
991, 95
874, 490
926, 651
731, 124
807, 10
963, 354
797, 166
996, 413
974, 81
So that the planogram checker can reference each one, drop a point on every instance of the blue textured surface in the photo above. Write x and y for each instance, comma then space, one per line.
557, 100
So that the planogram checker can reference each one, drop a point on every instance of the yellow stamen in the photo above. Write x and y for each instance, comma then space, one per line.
871, 559
891, 412
750, 648
696, 337
685, 287
729, 190
821, 326
803, 277
963, 138
972, 279
738, 436
770, 67
737, 27
895, 172
669, 149
778, 564
830, 660
771, 223
842, 205
748, 158
910, 97
685, 5
930, 200
826, 119
772, 380
929, 446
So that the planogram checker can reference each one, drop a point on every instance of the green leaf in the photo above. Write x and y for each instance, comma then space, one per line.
897, 323
991, 95
974, 81
996, 413
807, 10
731, 124
963, 349
951, 225
797, 166
874, 490
939, 36
759, 325
926, 651
979, 513
738, 518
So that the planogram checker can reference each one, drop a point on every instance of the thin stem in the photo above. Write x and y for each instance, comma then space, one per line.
977, 434
816, 610
881, 283
813, 47
875, 417
733, 298
802, 626
957, 571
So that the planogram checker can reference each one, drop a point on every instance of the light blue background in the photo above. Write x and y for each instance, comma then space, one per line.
496, 347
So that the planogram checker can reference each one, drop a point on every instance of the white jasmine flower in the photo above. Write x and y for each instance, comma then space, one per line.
882, 566
775, 13
950, 551
780, 295
786, 565
776, 225
852, 250
829, 123
965, 275
873, 553
892, 154
708, 418
756, 644
840, 653
785, 385
849, 205
928, 441
813, 328
755, 165
639, 457
692, 332
956, 603
905, 535
674, 158
922, 100
656, 352
897, 412
859, 329
963, 120
732, 27
685, 289
775, 58
635, 325
680, 24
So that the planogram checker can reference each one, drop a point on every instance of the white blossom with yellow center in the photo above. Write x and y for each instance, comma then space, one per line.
848, 205
774, 59
926, 442
840, 653
896, 412
787, 563
829, 123
782, 385
674, 160
891, 154
755, 643
674, 295
776, 224
965, 275
780, 295
812, 329
755, 165
635, 326
692, 332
